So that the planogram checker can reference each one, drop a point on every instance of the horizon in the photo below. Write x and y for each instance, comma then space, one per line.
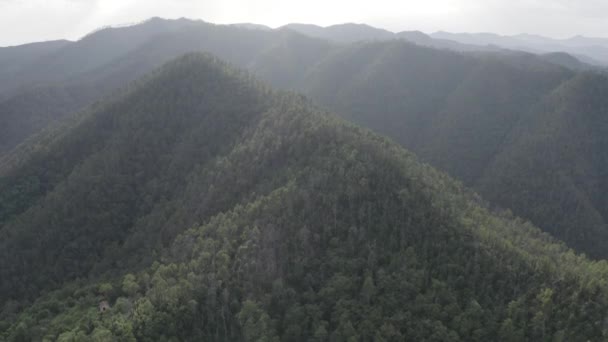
275, 27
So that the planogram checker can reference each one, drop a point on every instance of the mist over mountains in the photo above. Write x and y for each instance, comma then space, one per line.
143, 172
592, 51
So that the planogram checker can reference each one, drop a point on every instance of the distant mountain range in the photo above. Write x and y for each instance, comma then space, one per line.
589, 50
593, 51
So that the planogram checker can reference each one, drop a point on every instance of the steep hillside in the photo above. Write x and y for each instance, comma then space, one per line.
34, 109
199, 205
132, 143
555, 165
453, 110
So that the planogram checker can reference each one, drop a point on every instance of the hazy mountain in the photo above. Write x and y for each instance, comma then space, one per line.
198, 204
479, 39
93, 51
590, 50
351, 33
32, 110
573, 53
555, 164
423, 39
566, 60
251, 26
25, 112
16, 57
343, 33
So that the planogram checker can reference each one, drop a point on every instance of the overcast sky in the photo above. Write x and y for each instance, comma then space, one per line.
23, 21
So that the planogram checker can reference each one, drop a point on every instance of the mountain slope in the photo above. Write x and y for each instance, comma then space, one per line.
200, 205
461, 112
34, 109
85, 191
465, 115
556, 166
27, 111
356, 33
14, 58
445, 106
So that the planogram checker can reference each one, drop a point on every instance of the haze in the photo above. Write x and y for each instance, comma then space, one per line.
23, 21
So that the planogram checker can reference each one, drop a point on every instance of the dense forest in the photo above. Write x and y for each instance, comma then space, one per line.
525, 131
172, 212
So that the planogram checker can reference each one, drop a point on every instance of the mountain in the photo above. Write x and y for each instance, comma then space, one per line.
479, 39
343, 33
32, 110
352, 33
131, 163
567, 61
25, 112
424, 39
93, 51
198, 204
573, 54
593, 51
467, 116
251, 26
15, 57
555, 167
578, 52
462, 112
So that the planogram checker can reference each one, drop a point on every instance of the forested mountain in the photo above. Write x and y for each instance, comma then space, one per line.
467, 116
464, 112
556, 167
138, 50
197, 204
33, 109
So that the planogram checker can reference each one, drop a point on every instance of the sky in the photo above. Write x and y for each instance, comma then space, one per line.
24, 21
